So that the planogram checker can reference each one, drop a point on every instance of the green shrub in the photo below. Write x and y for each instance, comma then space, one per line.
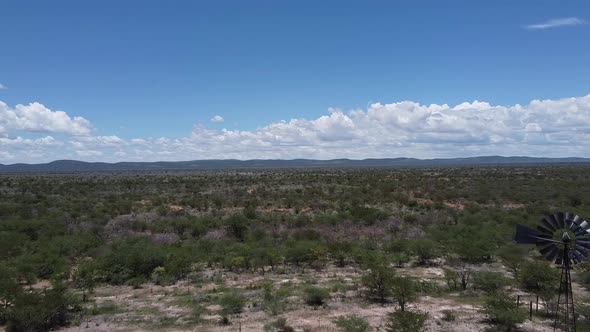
425, 249
279, 325
136, 282
540, 278
503, 311
378, 281
352, 324
274, 302
489, 282
403, 290
449, 315
237, 226
583, 315
130, 259
315, 296
452, 279
41, 311
9, 290
406, 321
231, 303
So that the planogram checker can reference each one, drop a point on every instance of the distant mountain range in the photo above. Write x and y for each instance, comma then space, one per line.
75, 166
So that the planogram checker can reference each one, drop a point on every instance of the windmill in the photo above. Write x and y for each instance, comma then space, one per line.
563, 239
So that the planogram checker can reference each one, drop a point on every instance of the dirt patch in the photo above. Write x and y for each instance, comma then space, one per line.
170, 308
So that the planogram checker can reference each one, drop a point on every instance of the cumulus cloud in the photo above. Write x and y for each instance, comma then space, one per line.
553, 128
89, 153
554, 23
35, 117
5, 156
39, 142
217, 118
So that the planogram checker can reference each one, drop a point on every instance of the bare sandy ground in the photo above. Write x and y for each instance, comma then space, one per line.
156, 308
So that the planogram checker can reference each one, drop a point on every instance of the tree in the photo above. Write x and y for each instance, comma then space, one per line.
462, 271
406, 321
41, 311
425, 249
379, 280
300, 253
237, 226
340, 252
129, 259
9, 290
452, 278
541, 278
403, 290
399, 251
273, 257
85, 278
513, 257
503, 311
471, 243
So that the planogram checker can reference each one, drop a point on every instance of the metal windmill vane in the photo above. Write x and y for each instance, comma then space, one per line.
563, 239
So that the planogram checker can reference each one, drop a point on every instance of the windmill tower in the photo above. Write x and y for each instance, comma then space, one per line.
563, 239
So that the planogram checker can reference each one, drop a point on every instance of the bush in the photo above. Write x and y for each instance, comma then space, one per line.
237, 226
503, 311
280, 325
273, 301
406, 321
9, 291
403, 290
452, 279
540, 278
449, 315
352, 324
136, 283
583, 313
315, 296
41, 311
231, 303
425, 249
489, 282
130, 259
378, 281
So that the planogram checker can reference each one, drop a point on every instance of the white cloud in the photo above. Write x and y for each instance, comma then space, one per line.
138, 141
5, 156
89, 153
39, 142
554, 128
101, 141
35, 117
2, 87
554, 23
217, 118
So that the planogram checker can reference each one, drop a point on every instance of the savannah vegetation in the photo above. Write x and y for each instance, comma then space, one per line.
264, 247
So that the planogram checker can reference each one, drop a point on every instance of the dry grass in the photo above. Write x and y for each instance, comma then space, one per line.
170, 308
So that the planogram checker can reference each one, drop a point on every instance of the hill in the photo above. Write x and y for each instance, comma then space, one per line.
215, 164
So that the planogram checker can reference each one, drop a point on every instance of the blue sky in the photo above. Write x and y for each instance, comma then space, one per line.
149, 70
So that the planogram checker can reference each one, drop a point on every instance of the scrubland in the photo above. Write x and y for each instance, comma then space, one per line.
348, 250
